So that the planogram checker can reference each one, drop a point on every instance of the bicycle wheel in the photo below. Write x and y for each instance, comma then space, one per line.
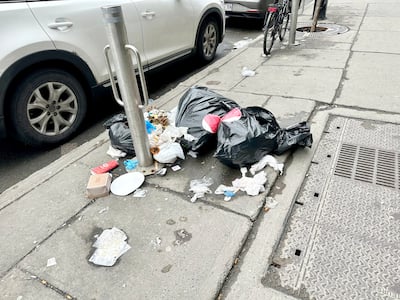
270, 32
284, 25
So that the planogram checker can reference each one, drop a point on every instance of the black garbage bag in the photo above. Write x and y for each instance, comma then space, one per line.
193, 106
119, 133
246, 141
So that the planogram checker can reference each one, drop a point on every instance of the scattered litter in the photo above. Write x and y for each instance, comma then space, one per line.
248, 73
20, 297
192, 154
267, 160
127, 183
176, 168
51, 262
200, 187
161, 172
242, 44
168, 249
228, 191
271, 203
103, 210
182, 236
115, 153
131, 164
156, 242
98, 185
251, 185
104, 168
139, 193
111, 244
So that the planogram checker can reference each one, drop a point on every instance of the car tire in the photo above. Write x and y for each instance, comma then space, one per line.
207, 40
47, 107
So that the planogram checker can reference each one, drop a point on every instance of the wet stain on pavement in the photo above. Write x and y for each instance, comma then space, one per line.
215, 70
170, 222
166, 269
368, 125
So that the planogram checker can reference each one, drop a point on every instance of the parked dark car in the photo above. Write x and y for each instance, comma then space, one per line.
254, 9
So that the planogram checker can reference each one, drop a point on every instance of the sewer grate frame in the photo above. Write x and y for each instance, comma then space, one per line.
347, 238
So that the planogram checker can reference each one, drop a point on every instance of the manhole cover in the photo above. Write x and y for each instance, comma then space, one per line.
321, 29
342, 240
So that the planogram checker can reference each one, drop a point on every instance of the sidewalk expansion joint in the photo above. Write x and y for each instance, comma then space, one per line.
49, 285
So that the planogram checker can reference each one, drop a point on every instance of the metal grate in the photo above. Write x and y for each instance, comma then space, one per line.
371, 165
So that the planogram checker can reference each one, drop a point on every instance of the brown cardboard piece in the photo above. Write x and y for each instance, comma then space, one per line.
98, 185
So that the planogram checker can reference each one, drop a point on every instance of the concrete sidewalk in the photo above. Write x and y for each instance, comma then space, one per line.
212, 248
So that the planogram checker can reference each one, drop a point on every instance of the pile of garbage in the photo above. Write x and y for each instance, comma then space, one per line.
206, 121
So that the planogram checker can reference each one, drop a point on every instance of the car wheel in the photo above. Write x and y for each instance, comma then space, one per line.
207, 40
47, 108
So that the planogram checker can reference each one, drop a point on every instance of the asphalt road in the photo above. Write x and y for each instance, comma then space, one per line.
18, 162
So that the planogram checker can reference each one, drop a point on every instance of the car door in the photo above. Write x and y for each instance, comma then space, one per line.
77, 26
168, 28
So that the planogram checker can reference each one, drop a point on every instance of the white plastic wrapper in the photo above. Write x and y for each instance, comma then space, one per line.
267, 160
169, 152
200, 187
251, 185
247, 72
111, 244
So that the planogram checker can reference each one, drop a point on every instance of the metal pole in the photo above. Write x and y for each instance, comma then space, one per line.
293, 23
117, 37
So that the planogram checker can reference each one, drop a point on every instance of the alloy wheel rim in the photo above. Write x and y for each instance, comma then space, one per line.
209, 40
52, 108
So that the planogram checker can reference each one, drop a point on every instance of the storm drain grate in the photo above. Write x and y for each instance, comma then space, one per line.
370, 165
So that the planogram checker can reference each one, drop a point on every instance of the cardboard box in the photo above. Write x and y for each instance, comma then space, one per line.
98, 185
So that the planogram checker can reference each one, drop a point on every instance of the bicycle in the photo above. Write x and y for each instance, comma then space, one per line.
275, 23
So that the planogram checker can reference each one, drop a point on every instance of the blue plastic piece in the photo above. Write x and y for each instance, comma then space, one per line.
130, 164
149, 127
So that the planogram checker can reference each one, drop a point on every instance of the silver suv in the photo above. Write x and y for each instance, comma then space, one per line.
52, 63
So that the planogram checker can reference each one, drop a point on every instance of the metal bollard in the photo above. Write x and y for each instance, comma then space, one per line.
117, 37
293, 23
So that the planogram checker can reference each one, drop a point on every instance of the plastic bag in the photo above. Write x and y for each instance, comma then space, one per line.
196, 103
257, 133
119, 133
168, 153
200, 187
